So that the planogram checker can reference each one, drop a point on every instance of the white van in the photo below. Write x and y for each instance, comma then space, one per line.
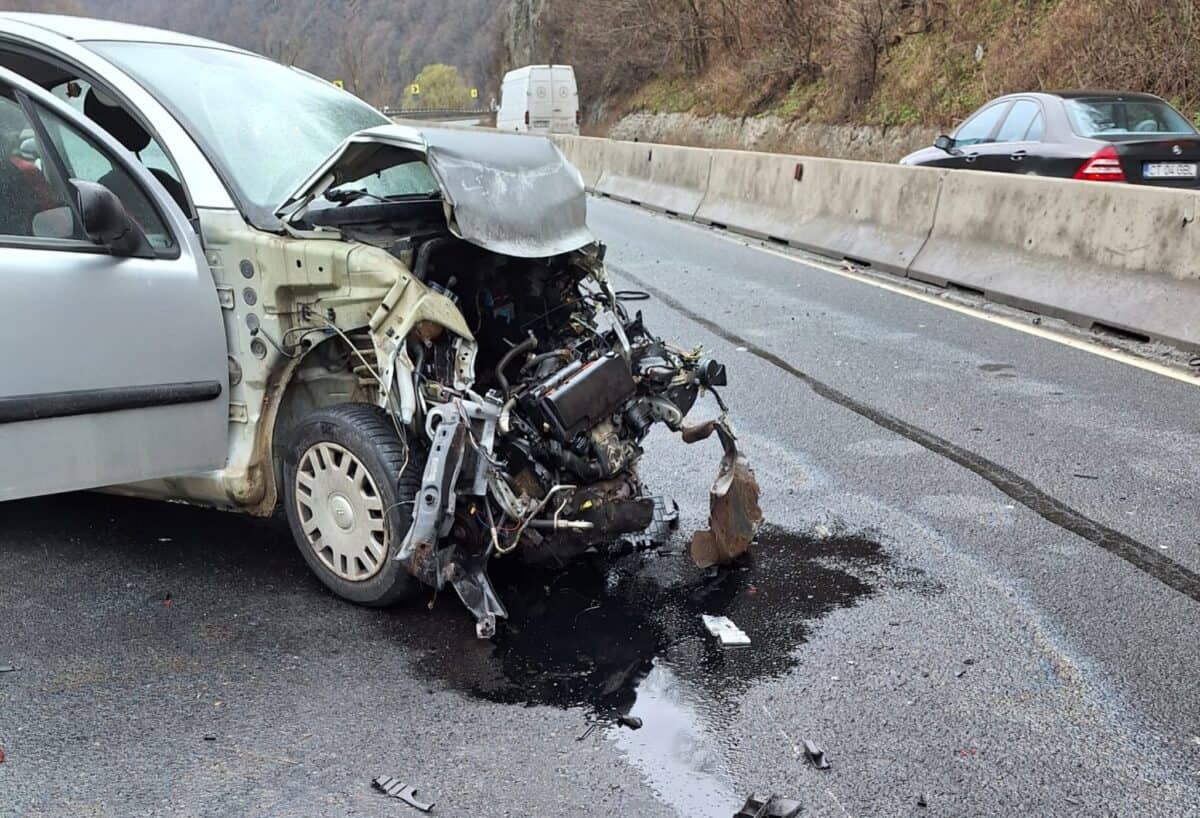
540, 98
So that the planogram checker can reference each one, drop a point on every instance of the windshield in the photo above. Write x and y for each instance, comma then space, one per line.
409, 179
1117, 118
265, 126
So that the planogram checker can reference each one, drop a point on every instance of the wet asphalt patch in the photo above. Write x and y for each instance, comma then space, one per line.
589, 634
625, 645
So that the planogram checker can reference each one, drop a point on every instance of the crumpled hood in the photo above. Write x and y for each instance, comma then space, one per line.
514, 195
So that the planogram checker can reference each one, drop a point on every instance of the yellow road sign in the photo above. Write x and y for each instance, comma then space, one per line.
474, 93
414, 89
339, 83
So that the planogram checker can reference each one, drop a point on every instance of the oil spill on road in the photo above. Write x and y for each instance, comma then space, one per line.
590, 633
628, 639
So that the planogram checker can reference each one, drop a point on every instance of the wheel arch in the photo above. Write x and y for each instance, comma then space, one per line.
304, 386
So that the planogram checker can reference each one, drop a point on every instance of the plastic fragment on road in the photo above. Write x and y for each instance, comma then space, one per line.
723, 628
816, 755
771, 807
407, 793
8, 668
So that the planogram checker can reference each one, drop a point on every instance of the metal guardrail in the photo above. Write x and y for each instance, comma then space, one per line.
437, 113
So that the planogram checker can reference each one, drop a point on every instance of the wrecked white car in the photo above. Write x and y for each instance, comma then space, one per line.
256, 291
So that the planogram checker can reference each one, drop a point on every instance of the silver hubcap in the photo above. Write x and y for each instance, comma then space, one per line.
341, 512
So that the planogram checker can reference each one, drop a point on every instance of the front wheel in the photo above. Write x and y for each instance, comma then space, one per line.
349, 484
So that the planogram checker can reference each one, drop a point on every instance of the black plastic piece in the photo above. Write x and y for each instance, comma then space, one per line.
588, 397
712, 373
19, 408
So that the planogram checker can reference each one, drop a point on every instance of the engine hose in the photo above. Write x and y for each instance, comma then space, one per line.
545, 356
554, 451
528, 345
424, 252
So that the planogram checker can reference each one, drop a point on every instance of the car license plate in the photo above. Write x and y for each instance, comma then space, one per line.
1169, 170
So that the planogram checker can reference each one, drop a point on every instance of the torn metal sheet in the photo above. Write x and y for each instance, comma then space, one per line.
734, 516
723, 628
404, 792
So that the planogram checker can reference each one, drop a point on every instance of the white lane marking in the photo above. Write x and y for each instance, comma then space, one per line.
1175, 373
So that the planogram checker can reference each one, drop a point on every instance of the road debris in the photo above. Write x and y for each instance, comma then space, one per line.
770, 807
733, 513
723, 628
922, 801
632, 722
816, 755
398, 789
8, 668
1, 756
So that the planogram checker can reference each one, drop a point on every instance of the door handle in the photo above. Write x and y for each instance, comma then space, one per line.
971, 157
1017, 156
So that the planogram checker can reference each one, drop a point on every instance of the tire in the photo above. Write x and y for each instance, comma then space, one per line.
348, 516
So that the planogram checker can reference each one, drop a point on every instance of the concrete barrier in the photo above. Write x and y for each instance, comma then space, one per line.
662, 177
586, 154
872, 213
1123, 256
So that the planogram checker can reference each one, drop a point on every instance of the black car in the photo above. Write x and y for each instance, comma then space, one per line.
1103, 136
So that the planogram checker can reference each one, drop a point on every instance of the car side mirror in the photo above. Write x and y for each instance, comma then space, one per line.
944, 143
106, 222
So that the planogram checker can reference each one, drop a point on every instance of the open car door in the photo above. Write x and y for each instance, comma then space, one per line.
113, 361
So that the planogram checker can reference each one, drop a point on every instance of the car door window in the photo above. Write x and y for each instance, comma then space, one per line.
86, 160
75, 92
1016, 124
33, 202
1036, 129
978, 129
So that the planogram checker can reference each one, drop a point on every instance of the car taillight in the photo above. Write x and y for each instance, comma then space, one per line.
1104, 166
526, 119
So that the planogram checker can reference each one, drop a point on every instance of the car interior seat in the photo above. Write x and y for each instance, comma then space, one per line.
126, 130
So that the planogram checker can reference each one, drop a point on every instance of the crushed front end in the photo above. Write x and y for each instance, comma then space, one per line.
516, 372
536, 457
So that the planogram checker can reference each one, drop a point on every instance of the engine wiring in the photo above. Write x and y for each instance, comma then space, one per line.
529, 517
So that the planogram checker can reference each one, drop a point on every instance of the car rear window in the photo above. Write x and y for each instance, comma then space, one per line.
1103, 118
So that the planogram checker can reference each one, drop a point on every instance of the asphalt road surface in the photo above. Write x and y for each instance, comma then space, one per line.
977, 592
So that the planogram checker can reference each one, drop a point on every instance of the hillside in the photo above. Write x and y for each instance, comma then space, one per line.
376, 47
874, 62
